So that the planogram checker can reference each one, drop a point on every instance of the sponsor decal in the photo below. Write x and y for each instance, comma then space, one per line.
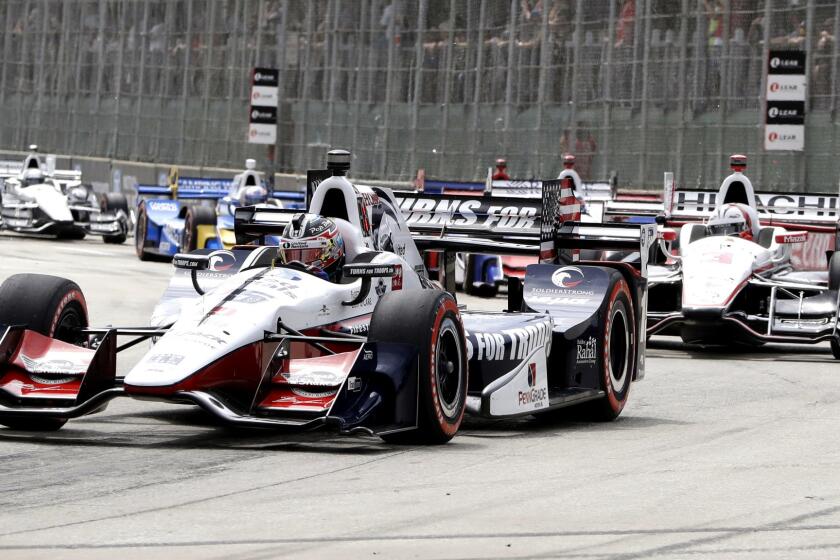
397, 278
367, 355
400, 249
509, 344
468, 212
812, 206
166, 359
222, 260
324, 311
354, 384
567, 277
208, 340
558, 300
162, 205
34, 365
795, 238
251, 297
587, 350
380, 287
534, 396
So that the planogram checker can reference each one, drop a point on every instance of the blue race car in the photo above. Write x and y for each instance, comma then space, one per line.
180, 219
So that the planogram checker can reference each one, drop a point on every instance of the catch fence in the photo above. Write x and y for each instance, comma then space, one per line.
634, 87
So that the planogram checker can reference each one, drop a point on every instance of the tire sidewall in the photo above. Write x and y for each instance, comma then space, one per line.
619, 303
444, 313
140, 231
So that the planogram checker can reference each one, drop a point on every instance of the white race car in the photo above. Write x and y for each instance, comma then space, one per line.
733, 279
37, 199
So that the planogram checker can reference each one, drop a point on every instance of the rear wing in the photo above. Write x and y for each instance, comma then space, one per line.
254, 223
207, 189
598, 190
548, 228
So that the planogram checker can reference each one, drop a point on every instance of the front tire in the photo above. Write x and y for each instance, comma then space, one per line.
618, 336
430, 320
51, 306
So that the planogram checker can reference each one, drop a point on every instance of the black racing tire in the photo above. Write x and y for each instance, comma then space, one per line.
115, 201
835, 348
140, 233
72, 235
617, 335
834, 272
428, 319
51, 306
196, 216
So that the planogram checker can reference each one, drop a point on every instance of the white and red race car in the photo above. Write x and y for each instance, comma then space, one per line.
257, 340
719, 287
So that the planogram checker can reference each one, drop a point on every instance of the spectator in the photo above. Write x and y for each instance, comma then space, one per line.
501, 173
626, 23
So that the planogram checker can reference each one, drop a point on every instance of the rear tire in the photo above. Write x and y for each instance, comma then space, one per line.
51, 306
430, 320
834, 272
114, 202
196, 216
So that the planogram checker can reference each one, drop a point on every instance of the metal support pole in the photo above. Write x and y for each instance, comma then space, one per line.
608, 95
185, 89
115, 133
682, 95
809, 63
723, 84
143, 45
545, 60
419, 59
232, 75
282, 68
332, 72
389, 97
308, 73
645, 79
41, 72
99, 76
514, 15
447, 88
765, 52
208, 81
699, 50
576, 40
479, 70
365, 37
78, 86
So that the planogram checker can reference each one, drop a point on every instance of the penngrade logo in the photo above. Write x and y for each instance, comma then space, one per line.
567, 277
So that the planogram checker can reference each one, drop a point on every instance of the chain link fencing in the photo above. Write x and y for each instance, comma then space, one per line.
632, 87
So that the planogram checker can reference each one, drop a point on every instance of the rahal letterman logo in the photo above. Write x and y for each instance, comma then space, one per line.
534, 396
567, 277
586, 350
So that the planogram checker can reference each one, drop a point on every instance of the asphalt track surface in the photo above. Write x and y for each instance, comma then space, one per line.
718, 454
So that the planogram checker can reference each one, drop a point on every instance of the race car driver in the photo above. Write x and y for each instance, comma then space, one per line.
501, 173
734, 219
315, 243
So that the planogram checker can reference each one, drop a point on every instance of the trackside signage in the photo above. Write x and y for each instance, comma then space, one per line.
262, 115
784, 115
794, 207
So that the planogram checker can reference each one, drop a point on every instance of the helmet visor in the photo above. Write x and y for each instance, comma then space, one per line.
309, 252
730, 228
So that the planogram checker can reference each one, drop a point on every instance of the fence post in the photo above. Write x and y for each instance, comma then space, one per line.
419, 59
185, 82
143, 44
447, 87
509, 81
765, 52
723, 85
576, 40
683, 92
479, 71
389, 94
644, 116
545, 57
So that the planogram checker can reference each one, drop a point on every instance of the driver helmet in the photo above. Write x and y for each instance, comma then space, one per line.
32, 176
731, 219
255, 194
300, 243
